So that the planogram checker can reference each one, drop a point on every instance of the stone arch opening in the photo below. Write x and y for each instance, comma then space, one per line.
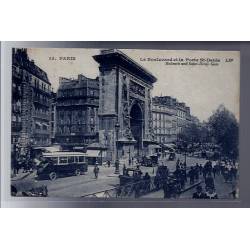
136, 125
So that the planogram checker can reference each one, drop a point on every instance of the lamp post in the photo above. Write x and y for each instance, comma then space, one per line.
101, 156
129, 158
117, 127
185, 145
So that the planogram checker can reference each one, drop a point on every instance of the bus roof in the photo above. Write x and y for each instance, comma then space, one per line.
63, 154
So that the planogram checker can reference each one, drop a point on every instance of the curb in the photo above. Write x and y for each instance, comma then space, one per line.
190, 187
21, 178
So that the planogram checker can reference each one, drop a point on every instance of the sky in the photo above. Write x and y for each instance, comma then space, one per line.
202, 87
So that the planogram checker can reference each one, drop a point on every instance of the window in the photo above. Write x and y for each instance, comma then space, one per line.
76, 159
63, 160
71, 159
13, 118
54, 160
81, 159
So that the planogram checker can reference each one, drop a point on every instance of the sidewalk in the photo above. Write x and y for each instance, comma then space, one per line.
21, 175
160, 193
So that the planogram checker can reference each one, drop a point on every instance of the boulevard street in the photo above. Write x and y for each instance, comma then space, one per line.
77, 186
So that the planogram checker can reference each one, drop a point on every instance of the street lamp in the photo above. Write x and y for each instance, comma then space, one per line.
117, 127
129, 159
185, 146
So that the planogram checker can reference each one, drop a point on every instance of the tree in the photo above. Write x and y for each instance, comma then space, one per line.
225, 130
191, 133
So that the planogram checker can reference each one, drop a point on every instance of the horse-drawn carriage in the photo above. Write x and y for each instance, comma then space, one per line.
149, 161
130, 175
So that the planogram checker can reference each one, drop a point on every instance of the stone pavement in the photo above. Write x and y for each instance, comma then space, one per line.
20, 176
76, 186
223, 190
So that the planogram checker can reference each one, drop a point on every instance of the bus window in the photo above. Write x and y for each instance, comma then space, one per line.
54, 160
76, 159
63, 160
71, 159
81, 158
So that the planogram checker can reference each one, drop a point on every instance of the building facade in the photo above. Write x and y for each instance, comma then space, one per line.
183, 116
31, 103
77, 112
53, 117
170, 118
125, 107
164, 119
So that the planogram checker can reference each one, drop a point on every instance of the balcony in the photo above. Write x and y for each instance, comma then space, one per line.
16, 126
41, 116
16, 74
45, 91
40, 101
78, 102
16, 109
41, 131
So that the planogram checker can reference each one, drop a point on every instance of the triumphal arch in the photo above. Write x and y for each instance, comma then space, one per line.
125, 114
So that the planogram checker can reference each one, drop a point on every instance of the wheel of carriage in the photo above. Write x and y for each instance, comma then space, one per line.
52, 176
77, 172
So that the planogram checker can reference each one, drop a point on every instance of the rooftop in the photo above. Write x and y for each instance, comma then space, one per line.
169, 101
21, 58
117, 57
80, 82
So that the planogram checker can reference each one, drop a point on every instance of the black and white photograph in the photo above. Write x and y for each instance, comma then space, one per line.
125, 123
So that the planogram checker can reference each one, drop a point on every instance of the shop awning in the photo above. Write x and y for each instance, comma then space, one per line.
48, 149
93, 153
170, 145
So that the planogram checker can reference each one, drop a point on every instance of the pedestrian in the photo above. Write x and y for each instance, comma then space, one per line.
124, 170
231, 174
177, 163
183, 178
234, 190
199, 194
211, 194
191, 176
200, 169
166, 190
209, 181
129, 161
196, 171
13, 190
157, 181
96, 170
226, 174
234, 172
108, 163
146, 179
214, 170
184, 165
177, 173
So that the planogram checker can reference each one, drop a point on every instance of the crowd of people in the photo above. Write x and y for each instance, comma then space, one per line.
184, 177
206, 173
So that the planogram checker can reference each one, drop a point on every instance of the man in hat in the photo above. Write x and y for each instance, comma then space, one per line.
96, 170
211, 194
199, 194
